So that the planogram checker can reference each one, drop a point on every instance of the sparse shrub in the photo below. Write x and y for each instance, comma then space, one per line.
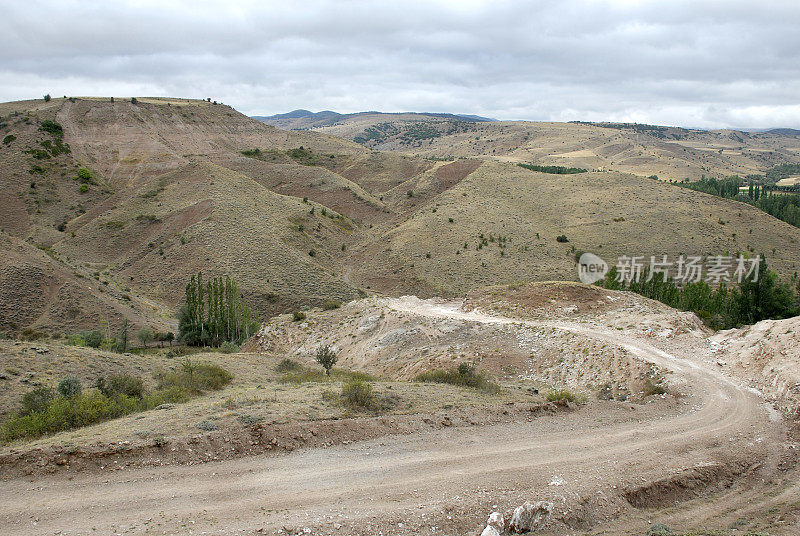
121, 385
37, 400
30, 334
144, 335
195, 378
228, 347
52, 128
288, 365
562, 395
207, 425
464, 376
93, 339
331, 304
659, 529
562, 238
69, 387
133, 100
326, 357
298, 316
83, 188
357, 393
8, 139
653, 388
47, 98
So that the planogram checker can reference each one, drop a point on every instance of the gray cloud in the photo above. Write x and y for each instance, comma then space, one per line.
695, 63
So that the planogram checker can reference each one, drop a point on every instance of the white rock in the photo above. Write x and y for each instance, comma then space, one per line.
529, 515
496, 520
490, 531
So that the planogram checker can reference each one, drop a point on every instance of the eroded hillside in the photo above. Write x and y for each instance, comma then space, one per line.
136, 197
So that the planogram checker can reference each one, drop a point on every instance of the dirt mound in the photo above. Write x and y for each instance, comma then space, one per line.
396, 338
767, 356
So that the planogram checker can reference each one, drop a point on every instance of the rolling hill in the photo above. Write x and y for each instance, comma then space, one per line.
110, 206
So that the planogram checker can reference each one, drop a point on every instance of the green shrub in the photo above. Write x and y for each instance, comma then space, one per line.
659, 529
358, 394
43, 413
464, 376
562, 238
69, 387
228, 347
562, 394
556, 170
8, 139
76, 340
326, 357
288, 365
93, 339
298, 316
37, 400
83, 188
121, 385
52, 128
331, 304
195, 378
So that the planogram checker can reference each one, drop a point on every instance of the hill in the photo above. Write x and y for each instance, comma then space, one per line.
306, 120
670, 153
136, 197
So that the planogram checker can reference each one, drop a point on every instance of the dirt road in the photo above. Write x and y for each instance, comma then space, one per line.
444, 480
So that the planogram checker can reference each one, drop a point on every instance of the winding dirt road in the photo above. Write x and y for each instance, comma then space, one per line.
444, 480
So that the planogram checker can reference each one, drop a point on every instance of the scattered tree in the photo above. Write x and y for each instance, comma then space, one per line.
144, 335
327, 358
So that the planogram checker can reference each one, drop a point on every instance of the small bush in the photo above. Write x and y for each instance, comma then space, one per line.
562, 395
69, 387
288, 365
83, 188
52, 128
8, 139
358, 394
195, 378
93, 339
228, 347
330, 304
121, 385
37, 400
464, 376
653, 388
30, 334
659, 529
298, 316
326, 357
562, 238
207, 425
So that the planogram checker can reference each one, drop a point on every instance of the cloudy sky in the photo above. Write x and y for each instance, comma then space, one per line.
701, 63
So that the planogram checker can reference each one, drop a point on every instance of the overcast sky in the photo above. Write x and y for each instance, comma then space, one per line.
700, 63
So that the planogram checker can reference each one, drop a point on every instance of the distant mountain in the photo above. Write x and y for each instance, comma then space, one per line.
305, 119
784, 131
300, 114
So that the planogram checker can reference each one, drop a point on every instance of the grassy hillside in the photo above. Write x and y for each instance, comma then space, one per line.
670, 153
136, 197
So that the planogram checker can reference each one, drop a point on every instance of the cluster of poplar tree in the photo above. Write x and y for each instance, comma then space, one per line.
755, 298
215, 313
782, 203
